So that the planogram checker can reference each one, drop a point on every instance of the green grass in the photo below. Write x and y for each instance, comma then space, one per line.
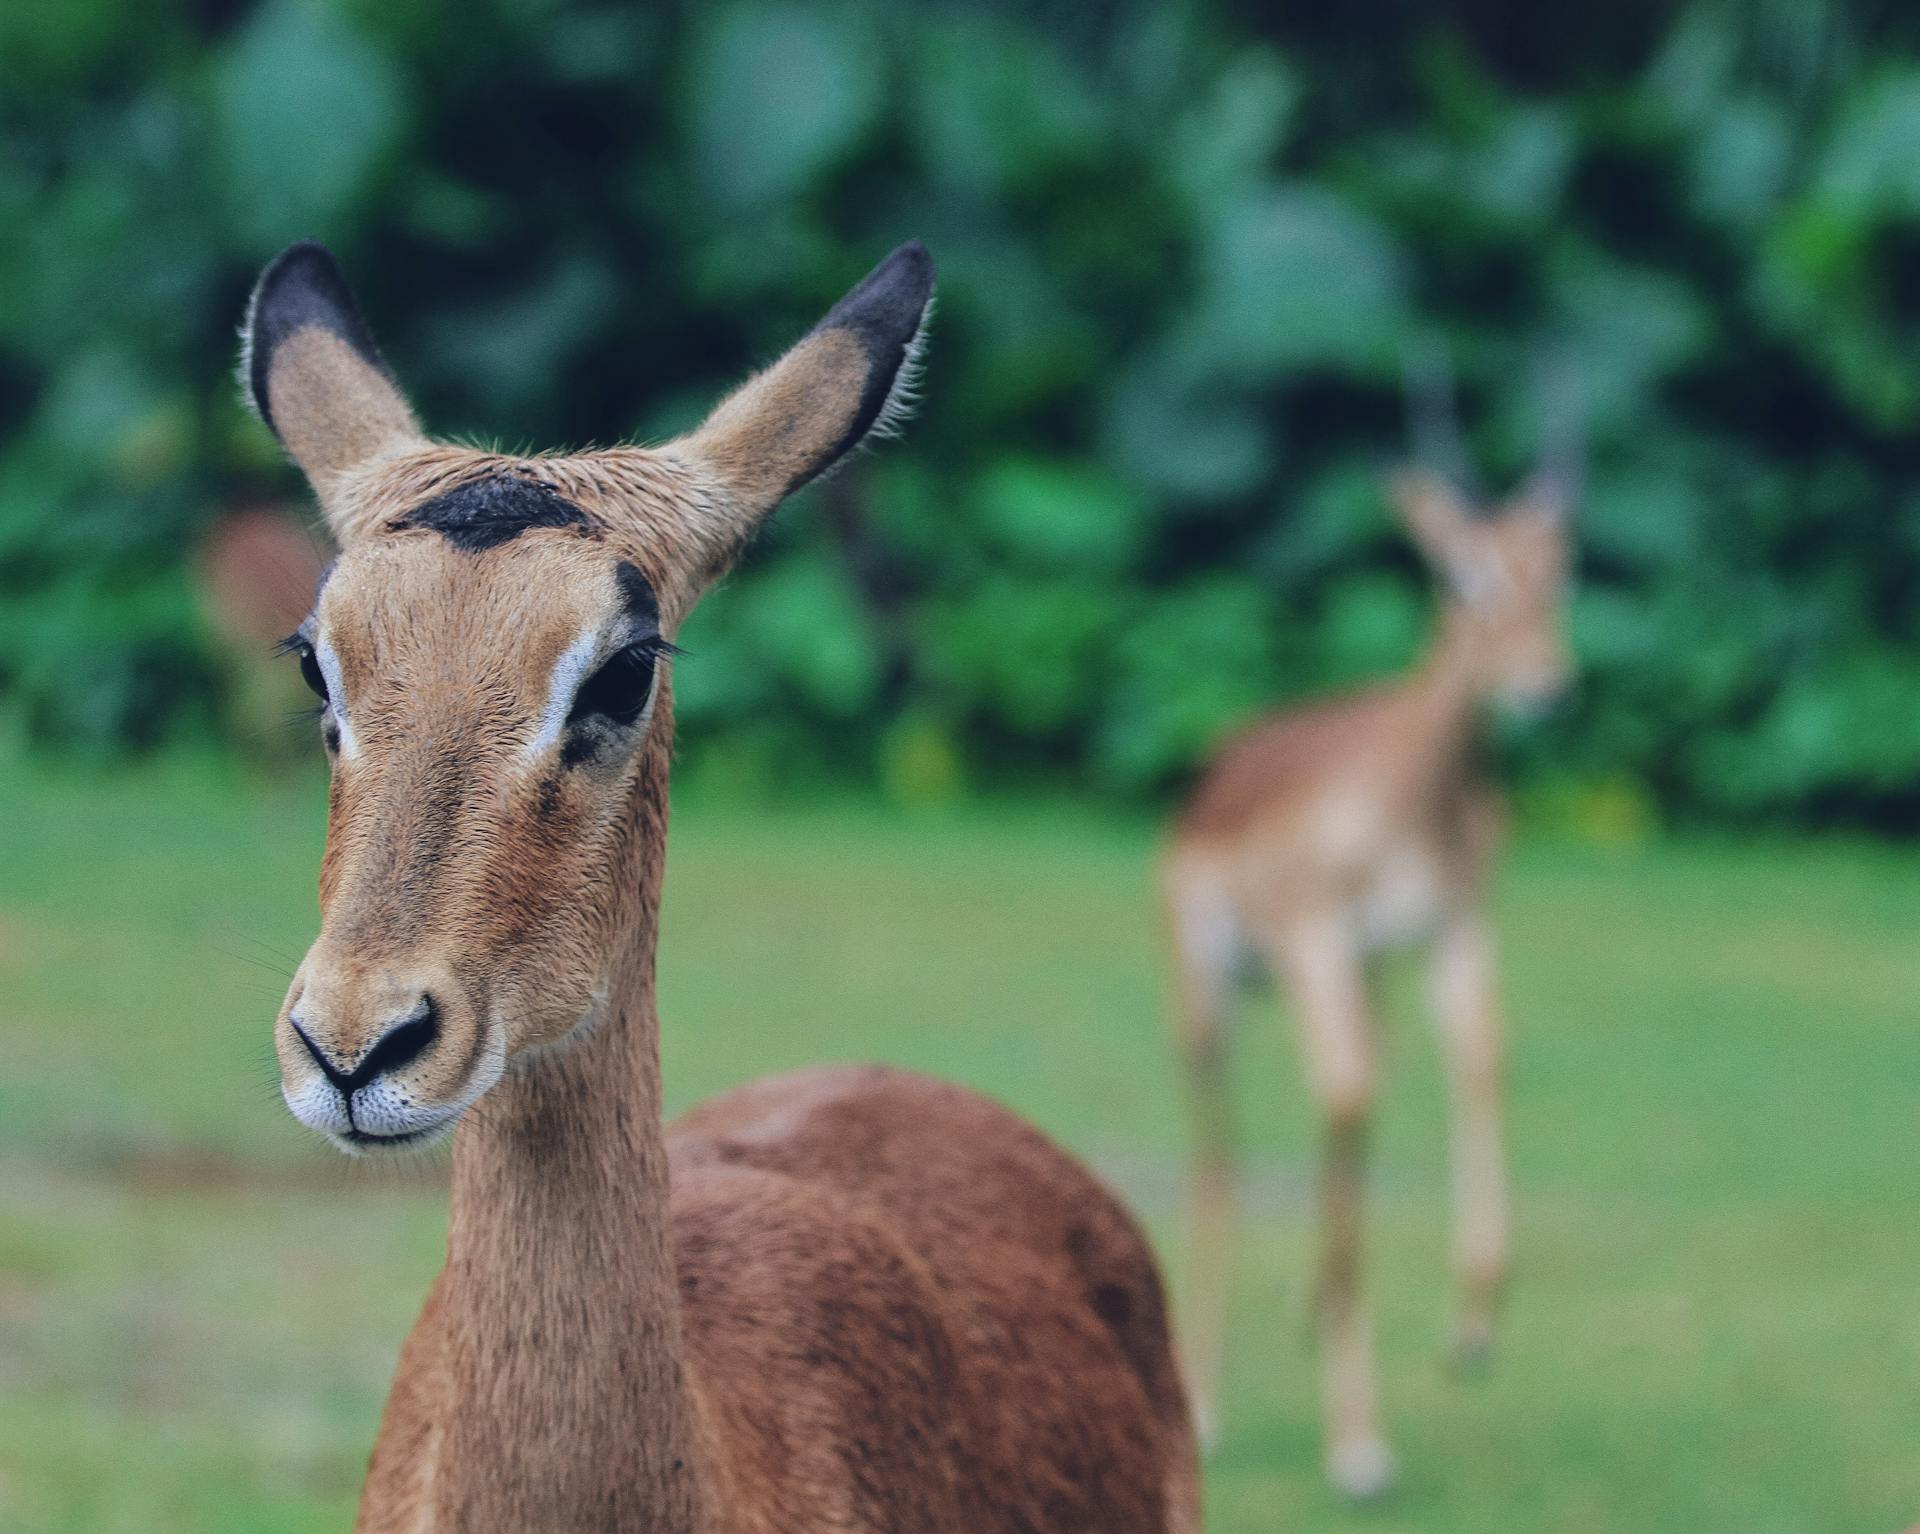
1715, 1075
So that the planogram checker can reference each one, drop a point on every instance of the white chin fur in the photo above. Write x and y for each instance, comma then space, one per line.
394, 1145
316, 1104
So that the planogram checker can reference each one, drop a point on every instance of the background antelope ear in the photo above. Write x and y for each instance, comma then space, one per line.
1554, 496
1441, 524
1433, 512
311, 370
1554, 488
850, 378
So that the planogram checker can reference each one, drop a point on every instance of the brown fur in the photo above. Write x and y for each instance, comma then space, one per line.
849, 1299
1328, 833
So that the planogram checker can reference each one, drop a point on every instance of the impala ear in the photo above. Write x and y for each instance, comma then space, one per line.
1433, 512
851, 378
311, 370
1441, 523
1548, 495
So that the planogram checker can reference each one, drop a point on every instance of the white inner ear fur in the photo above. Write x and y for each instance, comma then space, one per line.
329, 664
568, 673
903, 396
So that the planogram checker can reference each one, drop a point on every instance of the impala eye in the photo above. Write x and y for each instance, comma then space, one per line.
619, 690
310, 671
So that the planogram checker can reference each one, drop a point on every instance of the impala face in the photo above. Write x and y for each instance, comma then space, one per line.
1506, 576
489, 656
485, 712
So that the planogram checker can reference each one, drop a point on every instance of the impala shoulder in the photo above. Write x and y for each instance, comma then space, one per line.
810, 1320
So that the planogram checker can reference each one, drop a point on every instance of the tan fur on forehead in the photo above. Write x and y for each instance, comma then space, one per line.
414, 591
649, 506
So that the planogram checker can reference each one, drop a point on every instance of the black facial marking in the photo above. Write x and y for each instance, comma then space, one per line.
883, 314
301, 289
637, 598
493, 511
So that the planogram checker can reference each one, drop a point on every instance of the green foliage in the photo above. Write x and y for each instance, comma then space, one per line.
1181, 258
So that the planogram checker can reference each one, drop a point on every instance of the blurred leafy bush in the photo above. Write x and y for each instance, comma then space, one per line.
1182, 250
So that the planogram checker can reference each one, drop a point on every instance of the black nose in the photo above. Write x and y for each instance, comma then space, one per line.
402, 1044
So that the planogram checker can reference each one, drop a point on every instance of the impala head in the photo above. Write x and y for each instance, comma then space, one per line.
489, 655
1503, 566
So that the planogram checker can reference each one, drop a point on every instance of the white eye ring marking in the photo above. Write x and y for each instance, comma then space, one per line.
329, 664
568, 673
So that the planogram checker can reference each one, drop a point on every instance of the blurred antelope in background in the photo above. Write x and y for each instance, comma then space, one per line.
849, 1298
1337, 830
255, 577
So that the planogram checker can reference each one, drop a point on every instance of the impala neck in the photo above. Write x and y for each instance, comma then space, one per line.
569, 1410
1447, 685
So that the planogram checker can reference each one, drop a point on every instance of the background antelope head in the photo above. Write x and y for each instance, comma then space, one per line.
1503, 565
490, 652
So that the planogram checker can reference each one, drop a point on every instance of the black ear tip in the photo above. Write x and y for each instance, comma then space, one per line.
917, 257
307, 259
910, 269
889, 301
302, 276
301, 288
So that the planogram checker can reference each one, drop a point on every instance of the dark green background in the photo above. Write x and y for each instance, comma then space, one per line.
1183, 249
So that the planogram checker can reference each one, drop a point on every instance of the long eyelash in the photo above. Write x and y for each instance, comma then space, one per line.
659, 645
293, 642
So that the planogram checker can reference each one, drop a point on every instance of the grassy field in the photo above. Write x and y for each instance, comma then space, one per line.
1715, 1327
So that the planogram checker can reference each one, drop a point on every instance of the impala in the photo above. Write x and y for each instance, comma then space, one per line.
1329, 833
850, 1298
